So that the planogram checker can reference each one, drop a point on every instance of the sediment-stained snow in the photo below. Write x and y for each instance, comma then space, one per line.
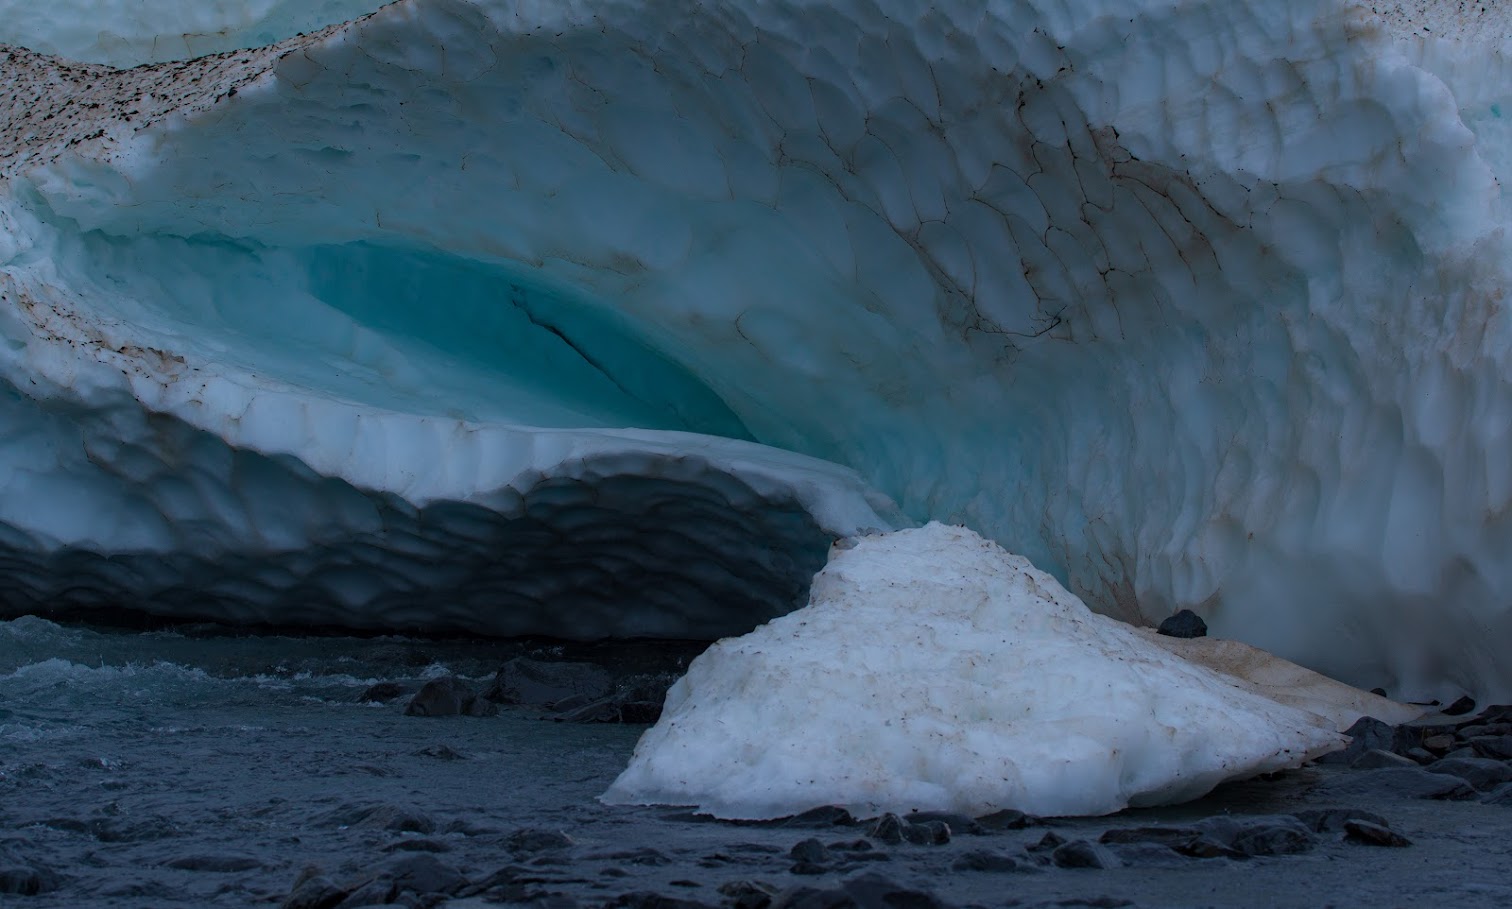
932, 670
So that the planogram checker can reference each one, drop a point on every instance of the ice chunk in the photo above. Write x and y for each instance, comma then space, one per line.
932, 670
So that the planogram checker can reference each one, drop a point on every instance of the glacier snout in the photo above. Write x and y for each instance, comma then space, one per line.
1195, 304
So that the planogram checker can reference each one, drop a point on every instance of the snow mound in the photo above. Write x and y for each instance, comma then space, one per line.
933, 670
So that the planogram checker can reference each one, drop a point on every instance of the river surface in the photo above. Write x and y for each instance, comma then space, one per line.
199, 767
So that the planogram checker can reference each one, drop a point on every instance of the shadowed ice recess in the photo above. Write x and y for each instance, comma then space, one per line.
606, 318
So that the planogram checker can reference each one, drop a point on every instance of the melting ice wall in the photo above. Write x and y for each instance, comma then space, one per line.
1193, 303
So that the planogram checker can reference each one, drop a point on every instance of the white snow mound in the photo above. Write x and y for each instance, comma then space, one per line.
933, 670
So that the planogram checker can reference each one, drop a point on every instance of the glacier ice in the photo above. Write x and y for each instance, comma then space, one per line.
933, 671
1193, 303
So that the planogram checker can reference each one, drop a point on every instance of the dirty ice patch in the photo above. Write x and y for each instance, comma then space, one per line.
934, 670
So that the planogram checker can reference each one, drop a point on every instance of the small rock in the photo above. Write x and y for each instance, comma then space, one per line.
1373, 834
748, 894
1083, 854
1205, 847
1482, 773
1502, 796
392, 818
536, 683
871, 891
1439, 743
531, 840
1275, 836
811, 851
1332, 820
1496, 747
423, 874
417, 845
1421, 756
383, 692
983, 860
25, 880
1051, 840
1164, 836
1401, 782
959, 824
314, 893
927, 833
888, 829
378, 892
1007, 819
218, 864
643, 899
819, 818
448, 696
643, 856
1460, 707
1367, 734
441, 753
1376, 759
1184, 624
1379, 692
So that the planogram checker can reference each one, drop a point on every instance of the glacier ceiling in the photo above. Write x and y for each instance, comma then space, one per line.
1192, 303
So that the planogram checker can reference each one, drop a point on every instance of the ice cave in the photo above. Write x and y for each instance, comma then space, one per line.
593, 318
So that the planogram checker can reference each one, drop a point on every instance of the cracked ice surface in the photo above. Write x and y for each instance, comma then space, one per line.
1193, 303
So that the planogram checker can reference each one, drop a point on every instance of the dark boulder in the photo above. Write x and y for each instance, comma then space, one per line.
1184, 624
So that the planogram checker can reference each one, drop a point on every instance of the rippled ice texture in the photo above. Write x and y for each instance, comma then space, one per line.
1193, 303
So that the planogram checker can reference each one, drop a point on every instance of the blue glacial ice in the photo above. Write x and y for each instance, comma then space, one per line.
606, 317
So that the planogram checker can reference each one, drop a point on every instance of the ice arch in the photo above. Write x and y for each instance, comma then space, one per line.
1194, 303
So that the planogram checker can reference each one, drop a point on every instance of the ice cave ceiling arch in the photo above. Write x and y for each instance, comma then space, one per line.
1193, 303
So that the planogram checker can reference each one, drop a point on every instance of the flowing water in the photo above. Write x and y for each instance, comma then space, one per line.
204, 767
